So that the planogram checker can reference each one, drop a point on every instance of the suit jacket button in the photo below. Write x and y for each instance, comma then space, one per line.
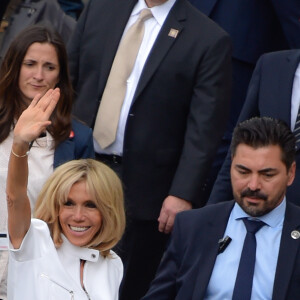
295, 234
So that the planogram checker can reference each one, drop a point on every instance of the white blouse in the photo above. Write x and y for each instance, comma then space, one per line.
37, 270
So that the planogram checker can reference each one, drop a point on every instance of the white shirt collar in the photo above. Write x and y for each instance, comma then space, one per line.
159, 12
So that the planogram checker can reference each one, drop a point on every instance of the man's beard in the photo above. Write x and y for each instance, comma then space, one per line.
254, 210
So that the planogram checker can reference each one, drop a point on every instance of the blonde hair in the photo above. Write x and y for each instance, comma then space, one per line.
105, 188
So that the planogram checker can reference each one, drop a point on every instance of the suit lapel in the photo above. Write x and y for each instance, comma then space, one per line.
162, 44
207, 260
285, 85
287, 253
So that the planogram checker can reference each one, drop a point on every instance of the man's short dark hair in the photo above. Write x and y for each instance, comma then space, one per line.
265, 131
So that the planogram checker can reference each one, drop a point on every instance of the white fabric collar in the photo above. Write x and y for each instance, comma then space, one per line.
88, 254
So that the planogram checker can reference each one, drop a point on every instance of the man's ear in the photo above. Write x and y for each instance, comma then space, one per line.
291, 173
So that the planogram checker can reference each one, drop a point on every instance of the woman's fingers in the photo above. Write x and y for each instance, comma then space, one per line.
46, 102
35, 100
35, 118
53, 99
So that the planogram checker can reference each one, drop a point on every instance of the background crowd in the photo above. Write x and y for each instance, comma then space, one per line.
181, 78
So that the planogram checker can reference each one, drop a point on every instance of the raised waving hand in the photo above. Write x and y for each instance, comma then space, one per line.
32, 122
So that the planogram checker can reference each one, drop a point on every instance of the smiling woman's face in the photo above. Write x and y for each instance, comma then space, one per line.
79, 217
39, 70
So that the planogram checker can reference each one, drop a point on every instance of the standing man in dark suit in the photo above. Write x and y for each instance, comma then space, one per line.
255, 27
171, 121
274, 91
208, 246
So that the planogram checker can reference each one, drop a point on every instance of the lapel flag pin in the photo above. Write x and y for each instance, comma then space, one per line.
295, 234
173, 33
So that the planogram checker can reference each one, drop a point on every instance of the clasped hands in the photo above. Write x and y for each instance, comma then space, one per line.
35, 119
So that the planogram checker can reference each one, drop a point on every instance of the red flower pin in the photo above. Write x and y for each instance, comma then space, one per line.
71, 134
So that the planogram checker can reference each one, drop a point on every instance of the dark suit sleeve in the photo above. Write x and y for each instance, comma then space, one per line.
74, 45
288, 13
163, 287
222, 190
206, 120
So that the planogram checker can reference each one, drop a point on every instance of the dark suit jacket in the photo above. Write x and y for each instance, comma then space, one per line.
78, 145
256, 27
29, 12
187, 264
269, 94
179, 109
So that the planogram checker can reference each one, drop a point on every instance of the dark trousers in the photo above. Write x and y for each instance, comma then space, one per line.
141, 249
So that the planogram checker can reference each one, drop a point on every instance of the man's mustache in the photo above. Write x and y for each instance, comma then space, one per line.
255, 194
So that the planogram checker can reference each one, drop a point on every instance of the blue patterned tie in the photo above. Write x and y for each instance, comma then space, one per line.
244, 279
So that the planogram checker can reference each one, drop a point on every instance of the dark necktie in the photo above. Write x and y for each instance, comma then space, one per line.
244, 279
297, 131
